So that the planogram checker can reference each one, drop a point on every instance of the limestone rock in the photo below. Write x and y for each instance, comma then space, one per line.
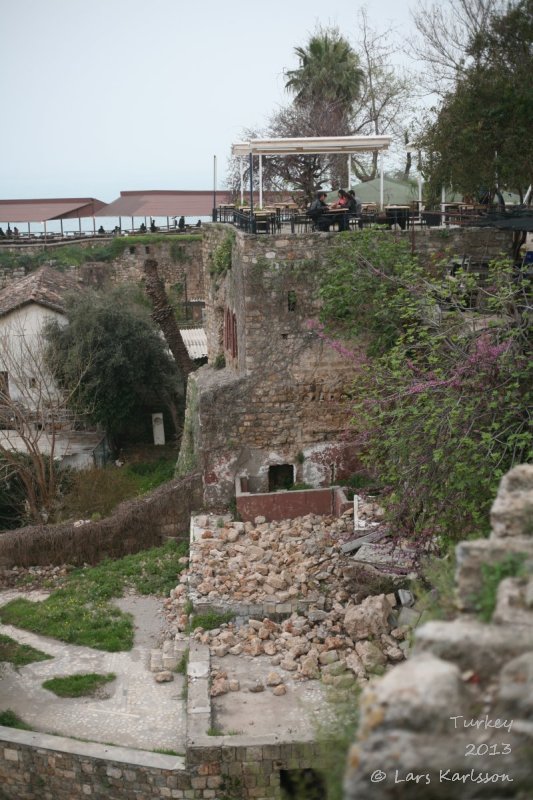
370, 654
165, 676
512, 509
279, 690
273, 679
515, 694
370, 618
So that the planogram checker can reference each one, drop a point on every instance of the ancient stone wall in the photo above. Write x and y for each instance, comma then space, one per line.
456, 719
280, 397
135, 525
180, 263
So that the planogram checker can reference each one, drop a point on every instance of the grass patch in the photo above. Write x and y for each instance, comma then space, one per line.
165, 752
80, 612
95, 493
210, 620
182, 664
435, 589
85, 685
19, 654
9, 719
214, 731
512, 566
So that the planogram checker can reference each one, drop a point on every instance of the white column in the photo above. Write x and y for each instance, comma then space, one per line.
241, 160
260, 181
349, 172
442, 204
381, 185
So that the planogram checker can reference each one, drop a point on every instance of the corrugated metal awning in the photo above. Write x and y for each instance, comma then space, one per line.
41, 210
195, 340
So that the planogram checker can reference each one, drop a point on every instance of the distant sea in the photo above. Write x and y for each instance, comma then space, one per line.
108, 223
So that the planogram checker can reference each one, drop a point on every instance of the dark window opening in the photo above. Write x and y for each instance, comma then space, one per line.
146, 249
132, 250
230, 333
291, 300
284, 335
302, 784
280, 476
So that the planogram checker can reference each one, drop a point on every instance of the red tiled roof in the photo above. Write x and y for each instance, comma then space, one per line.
189, 203
46, 287
39, 210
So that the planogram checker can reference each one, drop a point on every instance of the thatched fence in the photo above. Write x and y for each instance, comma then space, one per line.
135, 525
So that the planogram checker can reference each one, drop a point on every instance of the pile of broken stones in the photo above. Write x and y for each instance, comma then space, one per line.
348, 625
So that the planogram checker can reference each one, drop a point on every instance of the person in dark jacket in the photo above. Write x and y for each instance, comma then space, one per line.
317, 211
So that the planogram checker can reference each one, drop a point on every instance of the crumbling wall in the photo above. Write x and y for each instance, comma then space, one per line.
456, 719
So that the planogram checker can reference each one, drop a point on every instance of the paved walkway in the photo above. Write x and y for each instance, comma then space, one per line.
138, 712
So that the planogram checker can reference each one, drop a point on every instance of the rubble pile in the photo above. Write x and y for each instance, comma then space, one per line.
343, 630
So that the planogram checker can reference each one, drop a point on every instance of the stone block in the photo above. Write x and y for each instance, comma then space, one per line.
512, 510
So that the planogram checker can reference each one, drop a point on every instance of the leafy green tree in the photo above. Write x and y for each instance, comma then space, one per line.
127, 370
443, 402
481, 136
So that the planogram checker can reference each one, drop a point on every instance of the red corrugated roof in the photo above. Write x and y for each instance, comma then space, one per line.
187, 203
39, 210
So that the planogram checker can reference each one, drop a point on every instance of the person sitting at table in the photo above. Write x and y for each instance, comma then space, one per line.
16, 232
2, 234
355, 207
343, 205
9, 232
142, 228
317, 211
153, 226
181, 223
101, 230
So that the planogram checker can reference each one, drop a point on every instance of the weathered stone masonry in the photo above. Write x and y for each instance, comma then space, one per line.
282, 396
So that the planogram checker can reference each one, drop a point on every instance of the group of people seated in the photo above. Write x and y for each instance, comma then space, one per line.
9, 234
324, 215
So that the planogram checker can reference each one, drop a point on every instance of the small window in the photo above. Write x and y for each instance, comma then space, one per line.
291, 300
147, 249
132, 250
32, 382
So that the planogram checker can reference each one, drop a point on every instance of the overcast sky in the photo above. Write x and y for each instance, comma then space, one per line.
108, 95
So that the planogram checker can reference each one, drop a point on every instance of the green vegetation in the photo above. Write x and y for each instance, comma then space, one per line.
221, 258
512, 566
210, 620
66, 255
12, 720
335, 735
444, 394
181, 668
86, 685
113, 363
80, 612
165, 752
19, 654
435, 588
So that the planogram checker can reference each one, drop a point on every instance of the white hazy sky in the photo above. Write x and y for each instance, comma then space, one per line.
101, 96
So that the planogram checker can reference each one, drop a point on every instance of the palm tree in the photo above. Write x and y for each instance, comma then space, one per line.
329, 75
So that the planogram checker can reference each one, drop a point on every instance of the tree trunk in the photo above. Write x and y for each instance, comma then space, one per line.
163, 315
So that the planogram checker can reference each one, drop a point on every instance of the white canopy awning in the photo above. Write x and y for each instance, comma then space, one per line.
309, 145
312, 145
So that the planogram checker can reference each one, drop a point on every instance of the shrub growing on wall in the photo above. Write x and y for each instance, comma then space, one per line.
444, 403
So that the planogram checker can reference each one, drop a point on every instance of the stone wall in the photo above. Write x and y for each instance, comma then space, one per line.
281, 397
456, 719
135, 525
180, 263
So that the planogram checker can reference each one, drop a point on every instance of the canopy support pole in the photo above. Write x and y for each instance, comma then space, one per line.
442, 204
260, 181
349, 171
241, 165
381, 186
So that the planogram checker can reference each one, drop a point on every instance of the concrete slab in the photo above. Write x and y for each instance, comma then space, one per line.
293, 716
133, 711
